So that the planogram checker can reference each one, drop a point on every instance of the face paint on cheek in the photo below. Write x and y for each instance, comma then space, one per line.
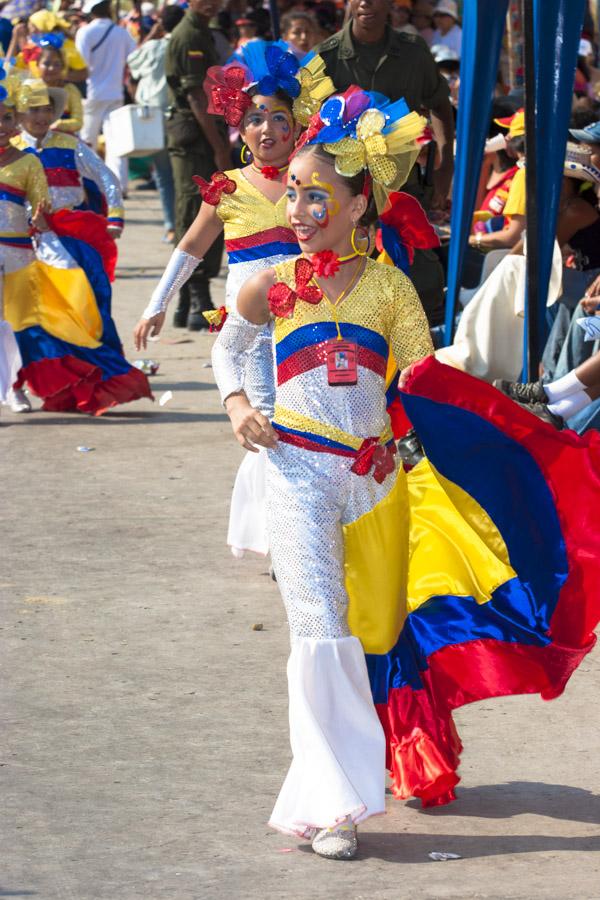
286, 132
321, 216
331, 207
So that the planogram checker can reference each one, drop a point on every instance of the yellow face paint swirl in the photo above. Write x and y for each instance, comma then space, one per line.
333, 205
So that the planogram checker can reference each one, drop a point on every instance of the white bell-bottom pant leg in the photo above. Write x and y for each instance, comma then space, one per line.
338, 745
95, 116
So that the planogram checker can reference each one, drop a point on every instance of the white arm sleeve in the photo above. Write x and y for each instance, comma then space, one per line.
179, 269
229, 353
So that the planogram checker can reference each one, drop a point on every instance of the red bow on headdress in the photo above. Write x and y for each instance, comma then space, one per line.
373, 455
31, 54
282, 298
408, 220
212, 191
223, 86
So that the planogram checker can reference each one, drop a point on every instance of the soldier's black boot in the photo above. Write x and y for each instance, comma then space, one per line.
182, 312
199, 302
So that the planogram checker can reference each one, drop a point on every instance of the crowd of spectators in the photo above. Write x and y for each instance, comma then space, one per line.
158, 56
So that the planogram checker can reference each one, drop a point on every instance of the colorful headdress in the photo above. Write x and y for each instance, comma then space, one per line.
365, 131
267, 67
34, 92
39, 42
515, 124
9, 85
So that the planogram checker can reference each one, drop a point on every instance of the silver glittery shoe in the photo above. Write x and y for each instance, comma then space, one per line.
339, 842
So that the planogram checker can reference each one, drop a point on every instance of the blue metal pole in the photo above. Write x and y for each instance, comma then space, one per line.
483, 27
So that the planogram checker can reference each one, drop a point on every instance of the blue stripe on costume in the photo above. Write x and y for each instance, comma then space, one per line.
497, 472
12, 198
55, 157
88, 259
307, 335
36, 344
310, 436
263, 251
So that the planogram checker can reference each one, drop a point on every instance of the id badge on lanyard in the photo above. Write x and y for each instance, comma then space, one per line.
342, 366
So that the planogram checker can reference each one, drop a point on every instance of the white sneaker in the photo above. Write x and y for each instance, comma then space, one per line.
339, 842
18, 401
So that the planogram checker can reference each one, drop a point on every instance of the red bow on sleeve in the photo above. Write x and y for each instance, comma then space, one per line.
226, 98
282, 298
213, 190
373, 455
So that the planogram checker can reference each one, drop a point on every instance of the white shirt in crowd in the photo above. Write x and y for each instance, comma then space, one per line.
106, 64
452, 39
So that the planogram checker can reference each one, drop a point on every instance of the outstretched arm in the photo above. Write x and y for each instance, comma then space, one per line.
182, 264
235, 340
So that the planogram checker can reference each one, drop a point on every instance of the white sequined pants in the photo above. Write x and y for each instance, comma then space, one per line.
338, 745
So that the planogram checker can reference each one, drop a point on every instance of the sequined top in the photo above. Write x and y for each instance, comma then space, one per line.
257, 235
67, 161
23, 186
383, 310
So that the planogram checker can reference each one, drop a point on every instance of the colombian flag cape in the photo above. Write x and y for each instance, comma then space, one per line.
478, 575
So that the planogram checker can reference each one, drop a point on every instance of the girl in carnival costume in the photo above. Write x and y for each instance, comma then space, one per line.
60, 307
47, 51
265, 93
22, 181
406, 595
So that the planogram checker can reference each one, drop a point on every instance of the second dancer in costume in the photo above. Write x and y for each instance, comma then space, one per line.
266, 95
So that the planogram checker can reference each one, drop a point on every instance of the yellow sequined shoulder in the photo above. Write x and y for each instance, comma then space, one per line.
62, 140
284, 271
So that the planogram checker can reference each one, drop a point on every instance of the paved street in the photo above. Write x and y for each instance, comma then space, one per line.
144, 721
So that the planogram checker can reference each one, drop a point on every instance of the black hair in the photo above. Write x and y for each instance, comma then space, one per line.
517, 143
288, 18
355, 183
170, 16
101, 10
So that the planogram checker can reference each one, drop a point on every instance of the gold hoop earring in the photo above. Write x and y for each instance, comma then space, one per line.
353, 243
246, 155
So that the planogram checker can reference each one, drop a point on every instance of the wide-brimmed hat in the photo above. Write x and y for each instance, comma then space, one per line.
34, 92
578, 164
588, 135
515, 124
447, 8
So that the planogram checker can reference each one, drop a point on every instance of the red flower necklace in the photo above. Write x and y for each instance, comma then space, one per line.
270, 172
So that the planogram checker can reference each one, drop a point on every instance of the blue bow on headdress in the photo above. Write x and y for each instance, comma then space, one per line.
341, 113
272, 67
49, 39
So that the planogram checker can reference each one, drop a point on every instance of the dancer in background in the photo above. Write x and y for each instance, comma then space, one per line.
249, 205
59, 304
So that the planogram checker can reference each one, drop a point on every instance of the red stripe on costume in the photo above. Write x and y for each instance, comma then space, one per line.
306, 444
311, 357
90, 227
571, 466
59, 177
11, 189
68, 384
423, 747
279, 233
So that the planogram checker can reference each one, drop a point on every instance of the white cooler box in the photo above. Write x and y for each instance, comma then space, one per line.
136, 130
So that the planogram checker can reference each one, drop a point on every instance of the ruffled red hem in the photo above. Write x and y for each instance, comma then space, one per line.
68, 384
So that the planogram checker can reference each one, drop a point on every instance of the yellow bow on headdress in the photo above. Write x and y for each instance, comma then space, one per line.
379, 153
11, 84
315, 88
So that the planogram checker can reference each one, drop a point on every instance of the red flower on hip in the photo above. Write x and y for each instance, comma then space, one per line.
213, 190
216, 318
226, 97
270, 172
326, 263
373, 455
282, 298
